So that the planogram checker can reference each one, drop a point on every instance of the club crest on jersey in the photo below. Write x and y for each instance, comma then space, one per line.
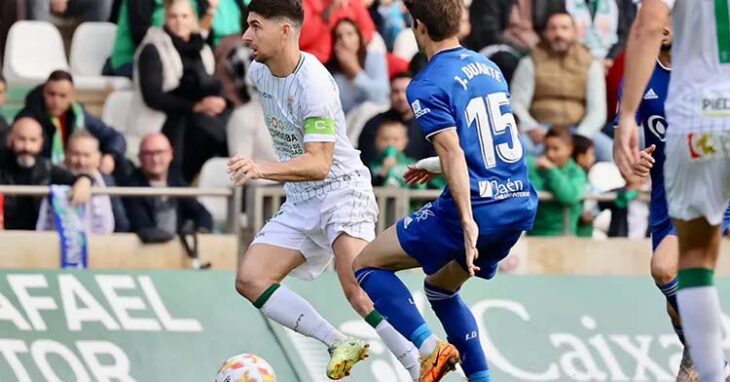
709, 145
290, 105
419, 111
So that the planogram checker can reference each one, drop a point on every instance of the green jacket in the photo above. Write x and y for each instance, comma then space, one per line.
124, 45
567, 184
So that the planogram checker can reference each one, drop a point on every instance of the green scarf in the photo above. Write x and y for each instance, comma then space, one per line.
57, 146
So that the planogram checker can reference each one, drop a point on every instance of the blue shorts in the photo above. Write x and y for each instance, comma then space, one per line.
435, 238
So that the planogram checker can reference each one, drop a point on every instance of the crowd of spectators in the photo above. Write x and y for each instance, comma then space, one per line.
192, 99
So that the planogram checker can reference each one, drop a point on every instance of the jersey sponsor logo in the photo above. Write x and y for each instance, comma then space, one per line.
709, 145
503, 190
658, 126
650, 94
718, 107
418, 110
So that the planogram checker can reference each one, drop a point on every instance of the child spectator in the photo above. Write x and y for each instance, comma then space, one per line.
392, 162
556, 172
584, 154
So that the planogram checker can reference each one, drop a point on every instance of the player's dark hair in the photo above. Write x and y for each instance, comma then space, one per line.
442, 18
334, 63
60, 75
2, 80
581, 145
289, 9
560, 133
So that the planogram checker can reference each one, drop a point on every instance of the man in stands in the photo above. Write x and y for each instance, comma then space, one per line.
22, 164
106, 213
560, 84
157, 219
400, 111
54, 106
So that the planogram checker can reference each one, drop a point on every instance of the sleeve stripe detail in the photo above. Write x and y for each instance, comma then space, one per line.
439, 131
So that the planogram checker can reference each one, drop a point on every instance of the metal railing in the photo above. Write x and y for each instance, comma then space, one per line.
233, 194
263, 201
393, 203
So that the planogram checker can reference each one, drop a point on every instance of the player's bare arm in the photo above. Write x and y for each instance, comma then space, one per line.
456, 172
641, 50
313, 165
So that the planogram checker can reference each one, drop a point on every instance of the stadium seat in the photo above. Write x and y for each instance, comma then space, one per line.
359, 116
116, 109
377, 44
91, 46
405, 45
34, 49
214, 174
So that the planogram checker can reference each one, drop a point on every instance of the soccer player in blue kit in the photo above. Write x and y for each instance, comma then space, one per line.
665, 246
461, 102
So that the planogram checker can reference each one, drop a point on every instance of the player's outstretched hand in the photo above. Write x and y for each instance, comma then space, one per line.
626, 146
471, 234
646, 162
417, 176
242, 169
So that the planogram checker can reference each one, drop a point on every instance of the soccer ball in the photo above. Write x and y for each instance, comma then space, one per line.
245, 368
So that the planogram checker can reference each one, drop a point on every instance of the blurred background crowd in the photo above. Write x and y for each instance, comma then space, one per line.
153, 93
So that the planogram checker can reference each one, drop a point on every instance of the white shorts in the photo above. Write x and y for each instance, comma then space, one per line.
311, 226
697, 175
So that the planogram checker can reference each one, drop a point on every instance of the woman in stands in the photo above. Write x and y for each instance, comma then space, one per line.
177, 92
361, 73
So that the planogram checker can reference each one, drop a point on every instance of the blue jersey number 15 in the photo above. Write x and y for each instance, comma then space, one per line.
491, 121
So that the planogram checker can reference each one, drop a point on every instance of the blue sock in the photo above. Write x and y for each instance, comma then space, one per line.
462, 330
669, 290
393, 300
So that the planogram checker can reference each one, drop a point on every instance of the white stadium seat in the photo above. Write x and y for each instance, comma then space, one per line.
405, 45
91, 46
116, 109
34, 49
213, 175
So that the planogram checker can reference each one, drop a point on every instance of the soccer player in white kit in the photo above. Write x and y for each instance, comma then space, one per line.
330, 207
697, 168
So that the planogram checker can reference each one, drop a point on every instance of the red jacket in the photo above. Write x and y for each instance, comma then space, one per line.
316, 35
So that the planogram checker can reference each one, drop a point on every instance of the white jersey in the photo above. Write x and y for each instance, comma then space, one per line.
699, 90
305, 107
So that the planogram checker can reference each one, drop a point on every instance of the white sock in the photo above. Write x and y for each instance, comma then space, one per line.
294, 312
699, 308
404, 351
428, 346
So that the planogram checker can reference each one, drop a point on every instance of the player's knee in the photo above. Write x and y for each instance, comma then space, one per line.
663, 273
248, 286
